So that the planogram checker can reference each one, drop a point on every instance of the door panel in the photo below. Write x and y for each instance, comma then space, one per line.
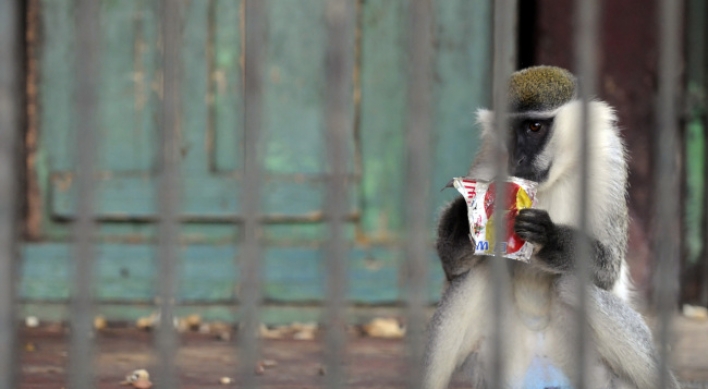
294, 145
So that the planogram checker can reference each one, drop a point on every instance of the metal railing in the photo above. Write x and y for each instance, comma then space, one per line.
339, 64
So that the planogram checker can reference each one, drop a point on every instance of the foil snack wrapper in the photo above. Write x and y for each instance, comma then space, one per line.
480, 197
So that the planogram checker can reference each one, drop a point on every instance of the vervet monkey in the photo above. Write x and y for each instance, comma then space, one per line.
543, 145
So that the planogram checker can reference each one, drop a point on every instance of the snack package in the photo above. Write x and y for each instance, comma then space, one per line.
480, 196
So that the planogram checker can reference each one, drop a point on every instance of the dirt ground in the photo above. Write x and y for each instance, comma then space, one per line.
204, 358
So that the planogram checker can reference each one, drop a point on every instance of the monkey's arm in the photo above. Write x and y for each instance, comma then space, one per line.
557, 247
622, 337
453, 245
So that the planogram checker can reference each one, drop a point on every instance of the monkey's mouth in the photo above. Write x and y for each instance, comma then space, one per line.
531, 173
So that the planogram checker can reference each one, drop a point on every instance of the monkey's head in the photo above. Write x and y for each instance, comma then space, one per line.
543, 131
540, 89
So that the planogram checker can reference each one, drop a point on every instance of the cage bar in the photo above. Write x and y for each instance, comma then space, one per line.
10, 127
586, 38
339, 67
418, 168
256, 27
169, 191
667, 180
82, 307
504, 58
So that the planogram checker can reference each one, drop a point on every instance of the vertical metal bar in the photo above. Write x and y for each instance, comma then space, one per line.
256, 27
697, 106
80, 352
339, 71
418, 153
169, 189
667, 185
504, 59
586, 37
10, 122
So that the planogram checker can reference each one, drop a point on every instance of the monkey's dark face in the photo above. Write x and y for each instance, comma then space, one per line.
527, 139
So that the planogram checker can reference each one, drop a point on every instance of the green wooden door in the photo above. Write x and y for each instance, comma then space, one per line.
212, 148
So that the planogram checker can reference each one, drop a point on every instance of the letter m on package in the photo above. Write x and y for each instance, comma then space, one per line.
482, 245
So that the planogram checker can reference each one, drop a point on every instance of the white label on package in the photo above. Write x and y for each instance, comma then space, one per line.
480, 197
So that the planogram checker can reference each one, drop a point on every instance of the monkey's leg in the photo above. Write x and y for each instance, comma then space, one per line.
622, 337
457, 327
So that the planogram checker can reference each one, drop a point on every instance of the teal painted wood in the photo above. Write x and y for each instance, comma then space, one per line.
212, 100
127, 273
462, 85
126, 143
195, 91
226, 125
382, 112
212, 131
205, 197
461, 82
295, 82
56, 119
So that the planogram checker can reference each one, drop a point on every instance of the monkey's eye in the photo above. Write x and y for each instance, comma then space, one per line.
534, 126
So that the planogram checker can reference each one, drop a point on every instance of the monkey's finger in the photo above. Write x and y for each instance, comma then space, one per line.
521, 225
531, 213
532, 237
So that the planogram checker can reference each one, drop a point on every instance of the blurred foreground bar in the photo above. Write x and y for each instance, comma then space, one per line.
81, 374
586, 37
504, 60
10, 130
251, 255
169, 191
667, 227
339, 68
418, 168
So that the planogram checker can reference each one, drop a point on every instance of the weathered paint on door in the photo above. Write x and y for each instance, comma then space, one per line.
212, 145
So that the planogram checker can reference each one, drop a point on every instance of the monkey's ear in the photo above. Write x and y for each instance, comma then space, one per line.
485, 118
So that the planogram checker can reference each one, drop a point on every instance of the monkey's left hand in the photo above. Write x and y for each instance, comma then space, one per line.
554, 242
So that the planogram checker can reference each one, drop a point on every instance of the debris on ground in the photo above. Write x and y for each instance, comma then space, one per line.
204, 328
259, 369
695, 312
139, 379
270, 333
147, 322
263, 365
225, 381
221, 330
32, 321
384, 328
303, 331
297, 331
99, 323
193, 322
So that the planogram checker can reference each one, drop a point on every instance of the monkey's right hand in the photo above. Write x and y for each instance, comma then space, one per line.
453, 245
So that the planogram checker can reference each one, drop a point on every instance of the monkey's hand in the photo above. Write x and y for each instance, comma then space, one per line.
556, 247
553, 243
453, 244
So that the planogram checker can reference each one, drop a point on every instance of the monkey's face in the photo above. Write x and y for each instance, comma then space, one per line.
528, 138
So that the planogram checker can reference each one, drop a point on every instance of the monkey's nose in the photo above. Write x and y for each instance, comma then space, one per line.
516, 162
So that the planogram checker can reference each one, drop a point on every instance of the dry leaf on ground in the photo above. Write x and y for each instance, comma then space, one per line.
384, 328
